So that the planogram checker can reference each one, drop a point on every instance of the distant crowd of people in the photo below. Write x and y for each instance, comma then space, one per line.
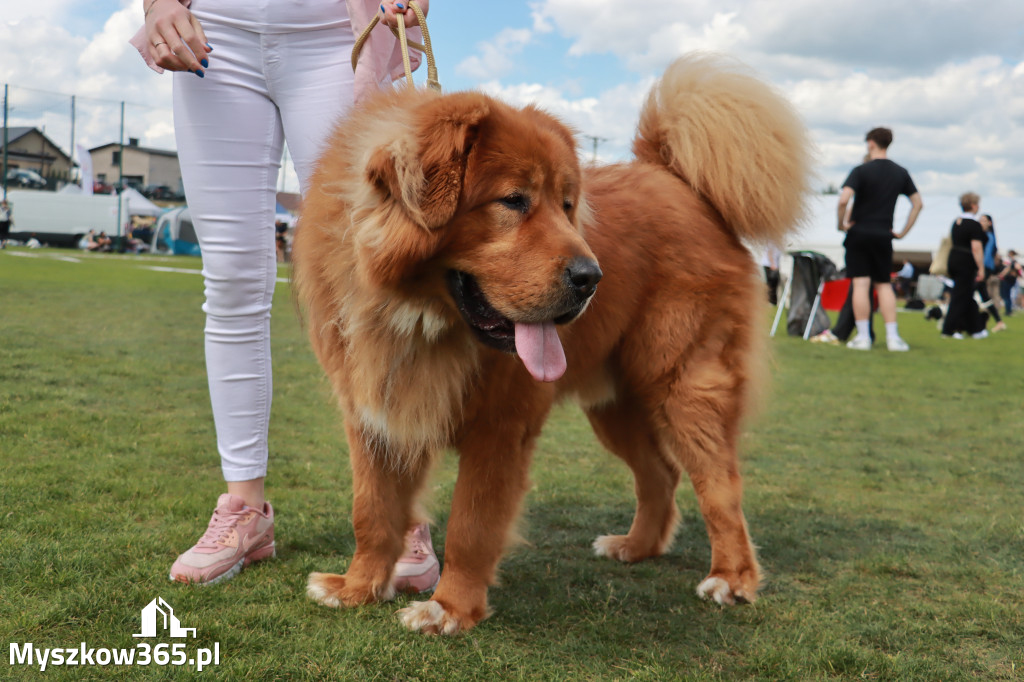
96, 242
976, 274
135, 240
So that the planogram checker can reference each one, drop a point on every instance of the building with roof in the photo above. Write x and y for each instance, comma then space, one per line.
141, 165
29, 148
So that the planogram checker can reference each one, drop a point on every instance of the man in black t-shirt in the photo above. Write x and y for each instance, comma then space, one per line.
874, 187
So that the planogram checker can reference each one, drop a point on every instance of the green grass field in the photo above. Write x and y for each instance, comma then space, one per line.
884, 491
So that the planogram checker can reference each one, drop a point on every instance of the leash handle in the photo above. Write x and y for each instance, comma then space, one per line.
405, 44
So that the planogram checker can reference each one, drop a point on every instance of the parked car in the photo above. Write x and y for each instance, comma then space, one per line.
119, 185
22, 177
100, 187
160, 193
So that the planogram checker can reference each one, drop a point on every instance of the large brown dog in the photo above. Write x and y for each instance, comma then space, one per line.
448, 255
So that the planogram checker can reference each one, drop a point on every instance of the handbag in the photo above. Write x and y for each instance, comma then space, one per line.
940, 263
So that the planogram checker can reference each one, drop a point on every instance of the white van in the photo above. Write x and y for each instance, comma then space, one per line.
62, 218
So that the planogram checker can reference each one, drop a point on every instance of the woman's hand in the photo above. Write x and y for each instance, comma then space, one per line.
391, 9
176, 39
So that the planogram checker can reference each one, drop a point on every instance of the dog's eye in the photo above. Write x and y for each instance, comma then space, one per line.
516, 202
567, 205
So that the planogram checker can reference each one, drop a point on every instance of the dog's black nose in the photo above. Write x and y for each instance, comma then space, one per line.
583, 275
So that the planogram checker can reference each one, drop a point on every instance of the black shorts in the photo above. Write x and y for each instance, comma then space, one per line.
869, 254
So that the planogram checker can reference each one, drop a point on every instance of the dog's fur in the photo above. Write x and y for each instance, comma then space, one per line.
436, 223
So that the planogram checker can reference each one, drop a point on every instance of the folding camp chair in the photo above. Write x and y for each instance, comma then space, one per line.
811, 271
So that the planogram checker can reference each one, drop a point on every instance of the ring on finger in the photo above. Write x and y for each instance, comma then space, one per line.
159, 44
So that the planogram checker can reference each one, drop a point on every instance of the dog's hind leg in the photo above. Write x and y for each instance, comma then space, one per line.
623, 428
383, 509
703, 413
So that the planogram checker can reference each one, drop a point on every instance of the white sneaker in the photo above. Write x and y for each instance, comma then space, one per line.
983, 334
860, 343
895, 343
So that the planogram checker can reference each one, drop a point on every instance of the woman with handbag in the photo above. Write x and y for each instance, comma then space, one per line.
249, 76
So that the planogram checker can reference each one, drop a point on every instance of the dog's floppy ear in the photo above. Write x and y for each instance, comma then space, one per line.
424, 169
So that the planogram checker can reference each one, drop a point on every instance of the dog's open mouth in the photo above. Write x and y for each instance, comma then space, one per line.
536, 343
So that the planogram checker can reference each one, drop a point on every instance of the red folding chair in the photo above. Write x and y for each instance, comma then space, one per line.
834, 293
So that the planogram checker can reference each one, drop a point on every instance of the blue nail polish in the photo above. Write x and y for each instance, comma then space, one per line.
208, 47
399, 5
205, 63
199, 72
382, 10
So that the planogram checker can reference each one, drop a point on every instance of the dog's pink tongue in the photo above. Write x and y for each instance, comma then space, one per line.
540, 350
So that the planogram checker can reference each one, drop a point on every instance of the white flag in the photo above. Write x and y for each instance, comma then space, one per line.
85, 166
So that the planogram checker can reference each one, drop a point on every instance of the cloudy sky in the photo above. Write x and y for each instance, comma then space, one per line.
946, 75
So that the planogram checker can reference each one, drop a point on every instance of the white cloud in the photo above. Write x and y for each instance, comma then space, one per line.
46, 65
496, 56
645, 39
944, 74
954, 128
111, 44
610, 117
16, 12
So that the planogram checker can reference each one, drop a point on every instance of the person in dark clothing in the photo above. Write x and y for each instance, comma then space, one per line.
845, 321
874, 187
1009, 272
770, 263
966, 269
989, 251
6, 220
845, 324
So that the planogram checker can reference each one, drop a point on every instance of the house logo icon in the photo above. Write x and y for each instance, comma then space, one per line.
159, 613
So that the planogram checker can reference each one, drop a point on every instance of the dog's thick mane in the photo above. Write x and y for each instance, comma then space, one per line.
392, 339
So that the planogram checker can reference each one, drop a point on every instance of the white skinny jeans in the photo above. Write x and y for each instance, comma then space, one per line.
259, 89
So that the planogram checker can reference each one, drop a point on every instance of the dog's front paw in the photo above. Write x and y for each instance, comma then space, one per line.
719, 590
430, 617
337, 591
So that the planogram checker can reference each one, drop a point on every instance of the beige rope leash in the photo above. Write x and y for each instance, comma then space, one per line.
405, 43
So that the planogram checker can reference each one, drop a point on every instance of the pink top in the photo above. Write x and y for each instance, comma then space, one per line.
379, 63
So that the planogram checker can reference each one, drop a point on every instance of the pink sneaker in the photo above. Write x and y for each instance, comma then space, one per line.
237, 536
417, 570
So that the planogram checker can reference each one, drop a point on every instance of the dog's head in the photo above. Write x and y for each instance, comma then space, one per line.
486, 199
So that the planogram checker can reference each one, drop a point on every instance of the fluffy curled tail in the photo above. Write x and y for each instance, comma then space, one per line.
733, 139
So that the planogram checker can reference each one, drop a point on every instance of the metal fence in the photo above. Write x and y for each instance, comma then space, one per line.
68, 126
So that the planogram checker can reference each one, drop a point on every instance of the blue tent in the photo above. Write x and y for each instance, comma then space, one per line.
174, 234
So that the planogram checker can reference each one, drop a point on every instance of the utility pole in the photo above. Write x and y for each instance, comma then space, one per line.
120, 179
595, 139
72, 147
5, 141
